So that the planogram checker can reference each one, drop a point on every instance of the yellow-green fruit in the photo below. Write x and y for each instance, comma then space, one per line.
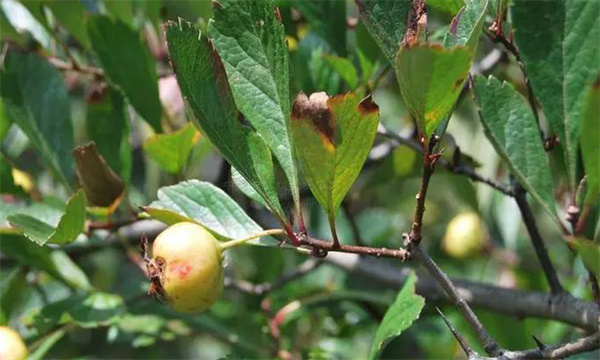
192, 273
12, 346
465, 236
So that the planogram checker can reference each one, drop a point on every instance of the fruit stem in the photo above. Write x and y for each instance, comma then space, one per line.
237, 242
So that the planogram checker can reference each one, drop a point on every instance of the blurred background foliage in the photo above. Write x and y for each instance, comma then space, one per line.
327, 314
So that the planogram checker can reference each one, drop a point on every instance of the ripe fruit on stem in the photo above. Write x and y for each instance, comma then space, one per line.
12, 346
465, 236
186, 269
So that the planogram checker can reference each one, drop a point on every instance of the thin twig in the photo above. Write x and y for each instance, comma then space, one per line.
460, 169
538, 243
490, 345
320, 248
578, 346
70, 66
461, 340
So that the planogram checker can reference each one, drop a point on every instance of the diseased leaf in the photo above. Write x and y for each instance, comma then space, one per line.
250, 39
55, 263
511, 127
344, 68
85, 310
589, 252
590, 146
327, 19
386, 22
399, 316
35, 98
128, 65
69, 227
333, 137
202, 79
431, 79
171, 151
561, 62
205, 204
107, 125
101, 185
466, 26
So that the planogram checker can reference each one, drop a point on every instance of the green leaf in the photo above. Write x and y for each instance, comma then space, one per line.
344, 68
245, 187
101, 185
328, 20
56, 263
561, 62
333, 137
86, 310
590, 147
47, 343
250, 39
386, 22
12, 288
511, 128
122, 10
466, 26
71, 15
399, 316
68, 229
171, 151
431, 79
36, 99
5, 121
589, 252
205, 204
201, 77
450, 6
128, 65
107, 125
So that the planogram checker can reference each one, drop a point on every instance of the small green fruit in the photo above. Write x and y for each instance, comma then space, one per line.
189, 263
12, 346
465, 236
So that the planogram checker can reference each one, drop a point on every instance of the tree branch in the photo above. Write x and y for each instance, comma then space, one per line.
538, 243
511, 302
579, 346
490, 345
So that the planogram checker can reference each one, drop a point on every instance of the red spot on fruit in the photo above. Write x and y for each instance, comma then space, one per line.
180, 268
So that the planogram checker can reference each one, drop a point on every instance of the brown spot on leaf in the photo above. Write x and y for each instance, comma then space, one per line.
315, 109
367, 106
458, 83
596, 84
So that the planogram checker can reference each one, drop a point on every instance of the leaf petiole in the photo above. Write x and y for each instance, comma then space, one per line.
237, 242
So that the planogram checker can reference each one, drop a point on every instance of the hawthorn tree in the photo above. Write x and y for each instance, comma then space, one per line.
390, 179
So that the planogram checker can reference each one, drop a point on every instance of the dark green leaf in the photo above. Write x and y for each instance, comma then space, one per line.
344, 68
590, 146
204, 85
511, 127
5, 121
101, 185
35, 97
466, 27
333, 137
399, 316
71, 15
55, 263
89, 311
250, 39
430, 79
68, 229
128, 65
562, 60
386, 21
205, 204
328, 20
171, 151
107, 125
